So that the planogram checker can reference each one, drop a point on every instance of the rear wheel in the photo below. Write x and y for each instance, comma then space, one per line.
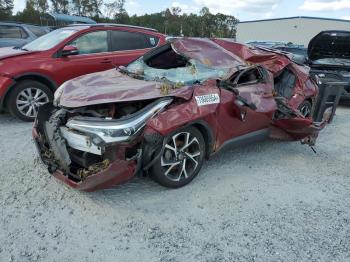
182, 158
305, 108
26, 98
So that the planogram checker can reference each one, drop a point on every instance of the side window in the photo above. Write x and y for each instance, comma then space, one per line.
92, 43
249, 77
284, 83
122, 40
9, 31
38, 31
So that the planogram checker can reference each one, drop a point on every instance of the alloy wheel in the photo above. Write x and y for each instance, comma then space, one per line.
181, 156
29, 100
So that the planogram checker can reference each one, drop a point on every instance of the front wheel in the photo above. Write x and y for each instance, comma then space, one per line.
182, 157
26, 98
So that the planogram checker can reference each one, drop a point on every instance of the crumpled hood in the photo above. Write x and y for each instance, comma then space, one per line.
7, 52
112, 86
330, 44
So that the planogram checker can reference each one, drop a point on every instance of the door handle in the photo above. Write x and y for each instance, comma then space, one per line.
106, 61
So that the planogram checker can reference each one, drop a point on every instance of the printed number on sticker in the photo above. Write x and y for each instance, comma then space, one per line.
207, 99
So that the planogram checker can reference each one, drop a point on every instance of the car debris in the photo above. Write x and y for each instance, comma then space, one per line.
171, 109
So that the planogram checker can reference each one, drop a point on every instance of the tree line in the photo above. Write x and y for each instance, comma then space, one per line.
170, 21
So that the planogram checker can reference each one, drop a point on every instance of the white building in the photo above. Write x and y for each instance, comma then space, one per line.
298, 30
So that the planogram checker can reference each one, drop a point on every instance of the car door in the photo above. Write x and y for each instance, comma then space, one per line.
94, 56
129, 45
247, 104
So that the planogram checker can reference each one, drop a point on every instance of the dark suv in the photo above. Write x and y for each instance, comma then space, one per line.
329, 58
30, 75
13, 34
299, 52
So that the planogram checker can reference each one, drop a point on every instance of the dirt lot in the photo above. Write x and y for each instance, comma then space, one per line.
272, 201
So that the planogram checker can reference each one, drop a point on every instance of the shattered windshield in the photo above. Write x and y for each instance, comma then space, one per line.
193, 72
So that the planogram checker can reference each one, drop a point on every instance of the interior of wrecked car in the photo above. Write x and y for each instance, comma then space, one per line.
167, 58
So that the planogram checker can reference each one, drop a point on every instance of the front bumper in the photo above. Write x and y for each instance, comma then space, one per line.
117, 171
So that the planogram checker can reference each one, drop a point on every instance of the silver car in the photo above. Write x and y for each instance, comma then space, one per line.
14, 34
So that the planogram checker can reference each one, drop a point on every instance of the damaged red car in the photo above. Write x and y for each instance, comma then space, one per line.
171, 109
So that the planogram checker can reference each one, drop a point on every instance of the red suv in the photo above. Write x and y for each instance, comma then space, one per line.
30, 75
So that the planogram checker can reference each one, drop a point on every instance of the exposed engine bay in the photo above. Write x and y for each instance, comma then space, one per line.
70, 145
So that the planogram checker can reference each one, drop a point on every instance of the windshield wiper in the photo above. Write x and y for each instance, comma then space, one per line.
24, 49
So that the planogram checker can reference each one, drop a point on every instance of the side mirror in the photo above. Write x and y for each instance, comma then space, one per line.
69, 50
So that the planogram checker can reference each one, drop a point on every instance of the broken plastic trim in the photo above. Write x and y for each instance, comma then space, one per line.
112, 131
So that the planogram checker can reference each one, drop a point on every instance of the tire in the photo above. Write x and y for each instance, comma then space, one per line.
305, 108
180, 161
26, 97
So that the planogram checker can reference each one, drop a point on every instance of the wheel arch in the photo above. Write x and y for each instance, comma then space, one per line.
154, 142
51, 84
208, 135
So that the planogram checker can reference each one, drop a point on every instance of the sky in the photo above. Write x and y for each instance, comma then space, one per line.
244, 10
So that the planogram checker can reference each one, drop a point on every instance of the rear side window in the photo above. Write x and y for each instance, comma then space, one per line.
250, 76
38, 31
9, 31
122, 40
285, 83
92, 43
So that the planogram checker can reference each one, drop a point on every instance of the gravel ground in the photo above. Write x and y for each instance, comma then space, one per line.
271, 201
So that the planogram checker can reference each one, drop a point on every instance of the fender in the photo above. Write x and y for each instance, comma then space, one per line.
49, 81
2, 99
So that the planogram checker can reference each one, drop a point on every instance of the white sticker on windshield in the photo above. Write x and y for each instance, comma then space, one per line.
207, 99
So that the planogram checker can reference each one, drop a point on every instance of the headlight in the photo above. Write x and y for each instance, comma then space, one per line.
112, 131
57, 95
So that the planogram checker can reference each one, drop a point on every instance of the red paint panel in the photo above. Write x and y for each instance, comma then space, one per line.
182, 114
229, 123
274, 62
5, 83
117, 173
299, 128
207, 52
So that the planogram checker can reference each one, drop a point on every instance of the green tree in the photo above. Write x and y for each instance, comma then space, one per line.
171, 21
61, 6
116, 11
91, 8
207, 22
29, 14
41, 5
6, 7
